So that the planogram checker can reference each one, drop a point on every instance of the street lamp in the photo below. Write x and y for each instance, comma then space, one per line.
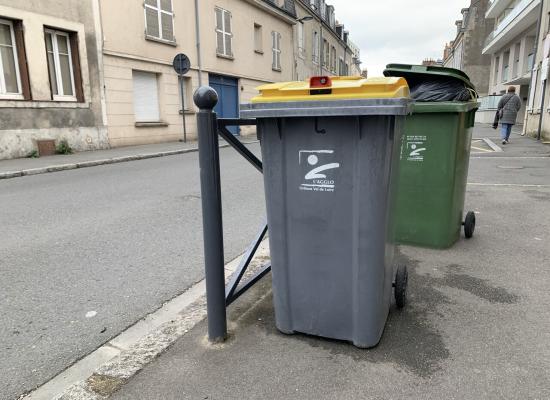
305, 19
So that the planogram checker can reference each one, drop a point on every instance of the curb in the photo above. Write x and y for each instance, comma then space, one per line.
106, 161
104, 371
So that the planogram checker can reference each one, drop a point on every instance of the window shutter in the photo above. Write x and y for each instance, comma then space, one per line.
228, 35
166, 5
152, 21
167, 26
279, 51
73, 39
22, 60
273, 52
146, 104
219, 31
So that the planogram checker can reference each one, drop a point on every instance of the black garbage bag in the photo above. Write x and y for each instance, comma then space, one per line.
440, 90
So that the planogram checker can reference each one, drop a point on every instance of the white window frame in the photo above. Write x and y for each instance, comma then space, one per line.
160, 11
58, 77
276, 51
226, 35
3, 91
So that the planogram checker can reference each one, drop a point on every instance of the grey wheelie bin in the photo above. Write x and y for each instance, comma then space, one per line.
330, 149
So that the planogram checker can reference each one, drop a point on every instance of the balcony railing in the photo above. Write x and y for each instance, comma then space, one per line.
512, 15
489, 102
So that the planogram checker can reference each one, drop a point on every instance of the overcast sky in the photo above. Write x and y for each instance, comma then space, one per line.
405, 31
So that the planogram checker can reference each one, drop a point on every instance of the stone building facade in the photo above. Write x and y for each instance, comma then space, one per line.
50, 76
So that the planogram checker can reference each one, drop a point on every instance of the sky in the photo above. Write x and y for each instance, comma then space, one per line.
404, 31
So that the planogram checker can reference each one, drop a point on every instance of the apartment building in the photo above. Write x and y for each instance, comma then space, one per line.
99, 73
537, 121
322, 45
465, 51
50, 77
233, 45
511, 46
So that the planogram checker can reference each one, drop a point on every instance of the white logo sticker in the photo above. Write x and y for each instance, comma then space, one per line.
415, 148
318, 165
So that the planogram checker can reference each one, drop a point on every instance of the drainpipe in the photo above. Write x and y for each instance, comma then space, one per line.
545, 80
198, 38
539, 23
322, 49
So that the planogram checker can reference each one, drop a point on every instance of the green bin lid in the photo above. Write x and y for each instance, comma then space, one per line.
414, 73
444, 107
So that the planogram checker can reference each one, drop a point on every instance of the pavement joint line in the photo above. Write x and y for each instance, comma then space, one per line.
508, 185
514, 157
105, 161
492, 145
130, 351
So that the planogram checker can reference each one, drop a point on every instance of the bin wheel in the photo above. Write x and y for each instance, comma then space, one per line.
400, 292
469, 224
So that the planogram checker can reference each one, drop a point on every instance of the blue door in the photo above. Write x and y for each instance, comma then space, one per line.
228, 94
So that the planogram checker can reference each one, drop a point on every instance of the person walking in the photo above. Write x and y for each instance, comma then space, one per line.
507, 112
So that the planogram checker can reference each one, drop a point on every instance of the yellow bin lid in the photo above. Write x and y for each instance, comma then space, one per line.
333, 88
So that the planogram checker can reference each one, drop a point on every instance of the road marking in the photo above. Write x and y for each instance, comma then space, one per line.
507, 185
483, 150
130, 351
492, 145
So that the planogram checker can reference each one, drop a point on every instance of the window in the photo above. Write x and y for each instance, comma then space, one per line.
223, 33
63, 65
326, 54
301, 47
333, 59
276, 49
159, 20
258, 48
341, 67
497, 62
315, 52
185, 83
146, 102
323, 9
10, 74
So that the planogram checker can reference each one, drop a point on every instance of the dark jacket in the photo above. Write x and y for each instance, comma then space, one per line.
510, 103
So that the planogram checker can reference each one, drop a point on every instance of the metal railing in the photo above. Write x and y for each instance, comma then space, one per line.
218, 295
512, 15
489, 102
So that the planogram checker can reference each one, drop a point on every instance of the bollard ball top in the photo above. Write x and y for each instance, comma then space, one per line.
205, 98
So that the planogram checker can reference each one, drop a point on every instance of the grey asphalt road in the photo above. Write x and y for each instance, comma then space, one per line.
113, 241
477, 325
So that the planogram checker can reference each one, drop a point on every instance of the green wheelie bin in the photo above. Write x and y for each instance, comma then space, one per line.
434, 158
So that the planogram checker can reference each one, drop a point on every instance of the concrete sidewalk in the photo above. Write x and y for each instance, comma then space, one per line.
477, 325
32, 166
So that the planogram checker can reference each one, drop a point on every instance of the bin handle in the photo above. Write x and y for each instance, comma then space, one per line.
321, 131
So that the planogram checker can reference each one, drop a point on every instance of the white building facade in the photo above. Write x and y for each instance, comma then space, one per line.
512, 48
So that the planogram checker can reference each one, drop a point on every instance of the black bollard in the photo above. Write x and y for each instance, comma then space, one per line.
206, 99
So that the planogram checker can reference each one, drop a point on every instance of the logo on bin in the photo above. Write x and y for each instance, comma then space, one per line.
316, 179
416, 146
